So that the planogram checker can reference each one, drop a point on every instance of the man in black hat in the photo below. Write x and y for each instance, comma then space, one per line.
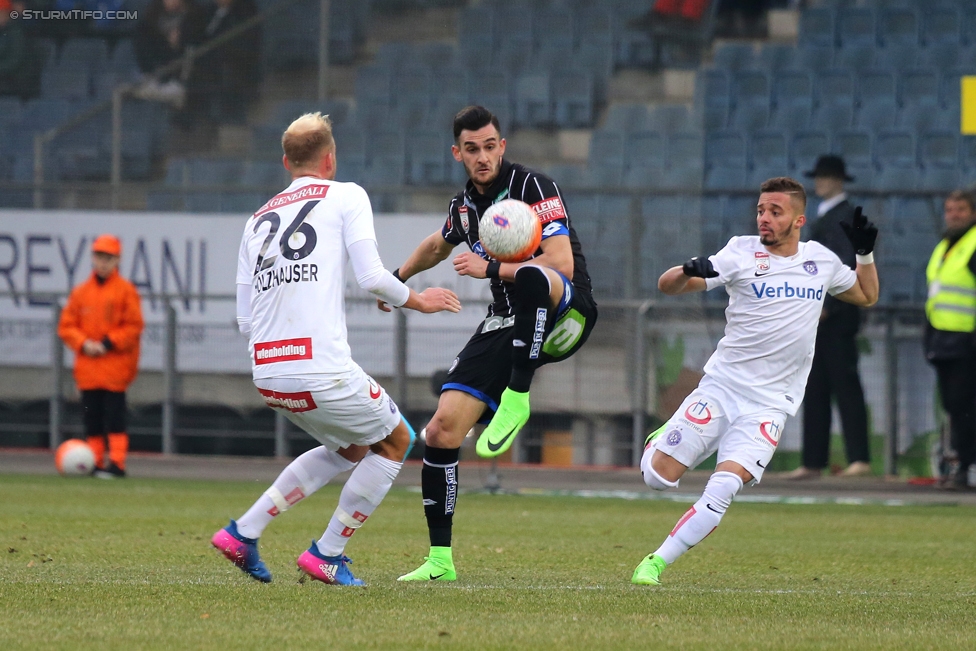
834, 372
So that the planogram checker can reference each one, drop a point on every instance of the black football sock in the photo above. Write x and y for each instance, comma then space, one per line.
438, 483
531, 312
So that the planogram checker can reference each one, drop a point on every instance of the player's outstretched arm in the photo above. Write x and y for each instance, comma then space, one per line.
431, 252
862, 235
688, 278
433, 299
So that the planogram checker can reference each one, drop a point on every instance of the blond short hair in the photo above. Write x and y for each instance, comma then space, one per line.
307, 138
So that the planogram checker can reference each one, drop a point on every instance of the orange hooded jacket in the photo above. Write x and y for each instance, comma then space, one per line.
110, 312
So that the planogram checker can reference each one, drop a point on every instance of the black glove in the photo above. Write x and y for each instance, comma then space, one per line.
862, 233
699, 268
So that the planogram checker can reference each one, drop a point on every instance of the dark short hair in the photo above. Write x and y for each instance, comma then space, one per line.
472, 118
787, 185
962, 195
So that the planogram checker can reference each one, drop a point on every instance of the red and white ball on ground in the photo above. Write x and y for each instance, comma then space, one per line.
510, 231
74, 457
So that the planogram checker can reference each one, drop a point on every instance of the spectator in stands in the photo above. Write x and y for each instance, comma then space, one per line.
162, 36
228, 76
14, 55
834, 375
950, 312
102, 324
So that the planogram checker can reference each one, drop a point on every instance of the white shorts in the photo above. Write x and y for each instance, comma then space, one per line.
337, 411
714, 418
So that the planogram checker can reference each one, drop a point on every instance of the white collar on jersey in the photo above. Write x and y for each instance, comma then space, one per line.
827, 204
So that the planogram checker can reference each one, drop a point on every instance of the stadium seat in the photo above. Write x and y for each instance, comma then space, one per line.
566, 175
711, 226
750, 100
533, 100
91, 51
877, 103
492, 89
855, 147
606, 161
967, 155
805, 148
768, 156
351, 160
897, 56
792, 99
814, 57
213, 172
626, 117
733, 56
941, 55
244, 203
856, 26
918, 96
387, 159
374, 86
645, 160
264, 175
685, 164
669, 118
671, 234
725, 160
553, 35
572, 99
938, 154
427, 160
739, 216
856, 57
898, 25
775, 56
713, 98
896, 160
66, 82
817, 27
941, 25
950, 87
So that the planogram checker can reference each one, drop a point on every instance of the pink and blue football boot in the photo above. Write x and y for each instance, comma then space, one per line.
333, 570
242, 552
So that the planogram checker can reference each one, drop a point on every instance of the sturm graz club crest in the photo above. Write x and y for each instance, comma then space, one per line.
810, 267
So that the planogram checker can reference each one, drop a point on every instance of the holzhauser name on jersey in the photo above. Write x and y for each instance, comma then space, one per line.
292, 273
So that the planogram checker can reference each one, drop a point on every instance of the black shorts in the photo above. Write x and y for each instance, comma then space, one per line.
104, 412
483, 368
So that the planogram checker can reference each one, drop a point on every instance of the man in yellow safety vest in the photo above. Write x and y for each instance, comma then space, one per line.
949, 336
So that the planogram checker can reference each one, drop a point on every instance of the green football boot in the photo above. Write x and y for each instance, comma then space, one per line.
653, 436
439, 566
509, 418
649, 571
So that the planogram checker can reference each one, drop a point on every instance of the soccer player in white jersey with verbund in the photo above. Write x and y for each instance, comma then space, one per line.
290, 289
757, 375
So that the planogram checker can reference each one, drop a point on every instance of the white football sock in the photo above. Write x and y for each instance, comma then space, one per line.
364, 490
702, 518
298, 480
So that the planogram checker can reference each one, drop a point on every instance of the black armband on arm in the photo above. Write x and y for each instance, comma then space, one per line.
494, 267
396, 274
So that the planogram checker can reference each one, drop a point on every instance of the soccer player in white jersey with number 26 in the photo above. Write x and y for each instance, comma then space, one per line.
757, 374
290, 288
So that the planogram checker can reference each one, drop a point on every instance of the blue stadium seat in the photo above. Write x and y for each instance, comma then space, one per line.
374, 84
244, 203
817, 27
918, 96
437, 56
941, 55
387, 159
646, 157
669, 118
572, 99
725, 160
606, 161
711, 226
626, 117
553, 35
792, 99
967, 155
733, 56
938, 154
768, 156
66, 82
671, 235
351, 160
426, 150
835, 93
685, 167
856, 26
492, 89
261, 174
896, 160
856, 57
814, 57
566, 175
898, 56
533, 100
855, 147
877, 103
713, 98
211, 172
898, 25
805, 148
91, 51
750, 100
10, 111
738, 216
776, 56
950, 87
941, 24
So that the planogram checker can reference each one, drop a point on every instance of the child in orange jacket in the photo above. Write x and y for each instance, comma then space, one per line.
102, 323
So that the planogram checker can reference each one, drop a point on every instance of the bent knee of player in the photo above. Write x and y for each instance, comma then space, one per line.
660, 471
444, 432
736, 469
394, 447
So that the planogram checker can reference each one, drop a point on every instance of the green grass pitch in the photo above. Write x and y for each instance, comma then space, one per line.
88, 564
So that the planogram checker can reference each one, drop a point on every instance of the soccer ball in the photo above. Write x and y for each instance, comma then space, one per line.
510, 231
74, 457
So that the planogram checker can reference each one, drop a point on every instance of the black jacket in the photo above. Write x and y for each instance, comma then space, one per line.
828, 232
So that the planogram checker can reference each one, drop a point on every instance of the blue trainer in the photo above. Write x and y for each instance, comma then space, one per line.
241, 551
333, 570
